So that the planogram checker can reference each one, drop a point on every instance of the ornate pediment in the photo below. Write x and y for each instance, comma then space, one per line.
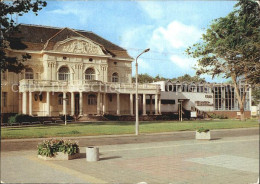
78, 46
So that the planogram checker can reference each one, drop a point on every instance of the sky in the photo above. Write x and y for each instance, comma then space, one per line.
166, 27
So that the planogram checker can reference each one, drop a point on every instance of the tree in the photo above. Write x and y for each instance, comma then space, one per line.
255, 95
230, 47
144, 78
8, 29
189, 78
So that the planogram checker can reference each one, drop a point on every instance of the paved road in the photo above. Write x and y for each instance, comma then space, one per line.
31, 144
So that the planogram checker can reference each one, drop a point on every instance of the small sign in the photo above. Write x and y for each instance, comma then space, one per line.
208, 96
238, 113
203, 103
193, 114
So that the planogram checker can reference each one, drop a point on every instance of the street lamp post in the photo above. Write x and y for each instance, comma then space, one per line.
65, 102
136, 94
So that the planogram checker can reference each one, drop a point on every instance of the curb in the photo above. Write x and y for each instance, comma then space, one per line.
122, 135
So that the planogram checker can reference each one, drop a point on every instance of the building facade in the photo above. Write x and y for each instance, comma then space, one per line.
72, 72
210, 98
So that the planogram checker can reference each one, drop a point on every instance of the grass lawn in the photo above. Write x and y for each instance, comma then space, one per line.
116, 128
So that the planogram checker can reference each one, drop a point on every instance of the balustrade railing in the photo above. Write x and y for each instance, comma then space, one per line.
85, 83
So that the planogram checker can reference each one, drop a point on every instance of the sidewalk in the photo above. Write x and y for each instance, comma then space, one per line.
224, 160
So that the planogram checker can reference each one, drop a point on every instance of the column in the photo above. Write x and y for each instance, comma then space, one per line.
20, 103
104, 103
48, 103
64, 103
98, 104
24, 108
223, 101
156, 104
72, 103
144, 104
131, 105
30, 103
81, 103
151, 104
118, 104
160, 104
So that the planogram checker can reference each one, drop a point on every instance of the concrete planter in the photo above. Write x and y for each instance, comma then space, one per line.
203, 135
92, 154
60, 156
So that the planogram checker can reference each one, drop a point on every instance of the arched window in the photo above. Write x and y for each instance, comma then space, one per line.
90, 74
115, 77
92, 99
64, 73
60, 99
28, 73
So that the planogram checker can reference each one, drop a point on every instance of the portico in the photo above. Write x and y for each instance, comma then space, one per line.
96, 99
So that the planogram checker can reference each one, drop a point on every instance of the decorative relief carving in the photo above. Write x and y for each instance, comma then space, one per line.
78, 66
78, 47
51, 64
103, 67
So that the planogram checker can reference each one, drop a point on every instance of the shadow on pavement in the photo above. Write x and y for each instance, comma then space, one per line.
214, 139
109, 158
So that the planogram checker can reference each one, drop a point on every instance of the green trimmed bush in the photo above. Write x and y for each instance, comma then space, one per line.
68, 117
216, 116
50, 147
18, 118
202, 129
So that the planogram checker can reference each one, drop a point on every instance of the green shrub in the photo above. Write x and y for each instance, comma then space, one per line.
216, 116
50, 147
68, 117
111, 117
12, 119
18, 118
202, 129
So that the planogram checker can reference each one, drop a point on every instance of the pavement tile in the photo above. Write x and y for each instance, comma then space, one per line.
176, 162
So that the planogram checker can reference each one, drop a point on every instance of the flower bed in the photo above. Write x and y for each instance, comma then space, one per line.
58, 149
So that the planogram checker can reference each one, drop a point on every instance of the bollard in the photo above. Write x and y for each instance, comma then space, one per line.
92, 154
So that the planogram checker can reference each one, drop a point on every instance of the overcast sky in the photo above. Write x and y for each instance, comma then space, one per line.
166, 27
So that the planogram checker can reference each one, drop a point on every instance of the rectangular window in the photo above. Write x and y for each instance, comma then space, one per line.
63, 76
174, 88
201, 89
170, 87
184, 88
28, 75
168, 101
4, 99
148, 101
4, 75
92, 100
60, 101
162, 101
217, 96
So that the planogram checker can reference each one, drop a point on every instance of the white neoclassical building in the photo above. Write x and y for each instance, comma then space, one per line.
72, 72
